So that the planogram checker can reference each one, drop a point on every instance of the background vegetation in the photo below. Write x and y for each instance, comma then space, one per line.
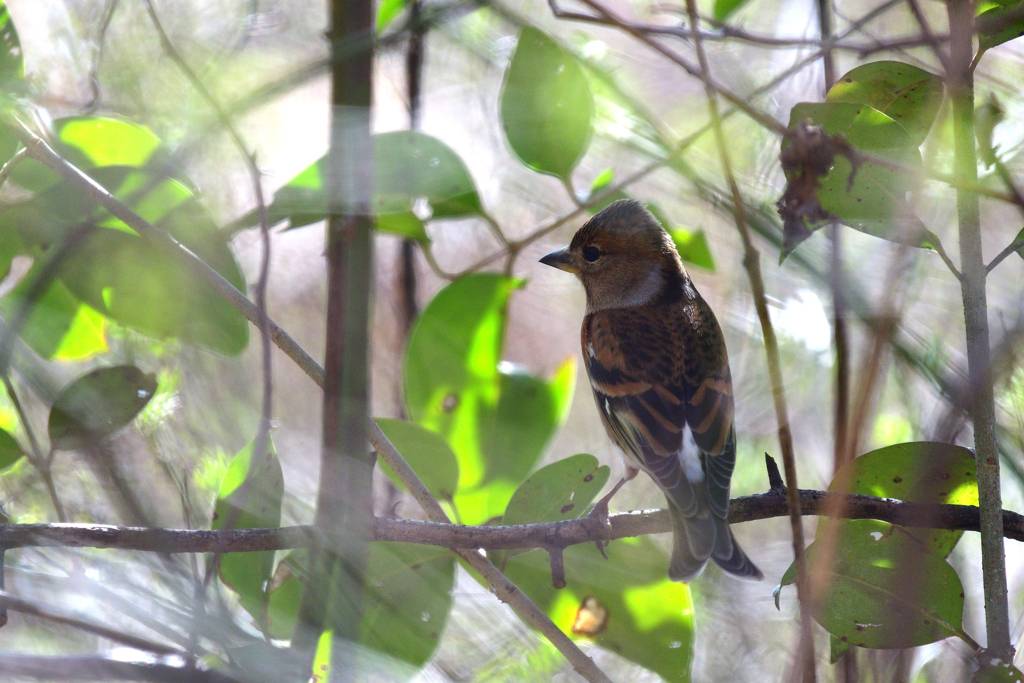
134, 386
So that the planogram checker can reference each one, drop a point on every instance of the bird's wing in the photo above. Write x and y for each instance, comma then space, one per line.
642, 413
663, 388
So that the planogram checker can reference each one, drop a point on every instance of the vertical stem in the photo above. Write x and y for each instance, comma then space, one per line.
344, 514
752, 263
979, 362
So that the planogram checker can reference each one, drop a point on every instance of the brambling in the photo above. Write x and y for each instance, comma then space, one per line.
658, 366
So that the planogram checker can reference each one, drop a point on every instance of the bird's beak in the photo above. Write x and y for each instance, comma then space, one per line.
560, 259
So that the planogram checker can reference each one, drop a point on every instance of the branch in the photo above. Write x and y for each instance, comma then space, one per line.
540, 535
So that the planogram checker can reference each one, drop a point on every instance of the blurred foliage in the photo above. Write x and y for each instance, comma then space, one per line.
479, 427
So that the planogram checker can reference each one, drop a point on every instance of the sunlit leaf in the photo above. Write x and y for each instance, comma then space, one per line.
920, 472
250, 498
876, 203
98, 404
497, 419
387, 11
414, 175
625, 604
883, 590
546, 105
59, 326
94, 141
1000, 24
427, 452
903, 92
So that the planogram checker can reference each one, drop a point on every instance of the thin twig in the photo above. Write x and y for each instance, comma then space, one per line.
11, 164
1013, 246
98, 43
751, 261
17, 604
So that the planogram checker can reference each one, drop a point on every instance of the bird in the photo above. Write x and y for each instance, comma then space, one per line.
658, 367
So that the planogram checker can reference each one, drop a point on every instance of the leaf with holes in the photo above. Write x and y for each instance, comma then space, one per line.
906, 94
884, 591
97, 404
919, 472
876, 202
547, 107
624, 604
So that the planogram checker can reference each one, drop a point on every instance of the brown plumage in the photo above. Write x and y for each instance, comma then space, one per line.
660, 374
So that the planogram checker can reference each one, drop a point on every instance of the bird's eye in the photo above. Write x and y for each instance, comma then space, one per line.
591, 254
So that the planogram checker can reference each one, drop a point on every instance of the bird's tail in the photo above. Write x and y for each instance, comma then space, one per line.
696, 539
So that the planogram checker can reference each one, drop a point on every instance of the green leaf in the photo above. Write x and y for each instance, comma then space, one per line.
129, 279
408, 599
726, 8
427, 453
559, 491
906, 94
405, 607
97, 404
59, 326
991, 670
837, 649
413, 173
919, 472
497, 419
884, 591
10, 450
556, 492
387, 11
692, 247
876, 203
94, 141
1020, 240
1000, 25
546, 105
250, 498
625, 604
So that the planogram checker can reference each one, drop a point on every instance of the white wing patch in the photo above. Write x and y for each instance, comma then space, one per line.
689, 456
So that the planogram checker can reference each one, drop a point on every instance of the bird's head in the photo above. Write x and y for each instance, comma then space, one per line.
622, 256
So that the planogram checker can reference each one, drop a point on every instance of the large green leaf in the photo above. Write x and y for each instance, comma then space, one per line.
906, 94
920, 472
97, 404
497, 418
405, 607
93, 141
127, 278
546, 105
726, 8
876, 203
427, 453
59, 326
625, 604
883, 589
250, 498
414, 175
1000, 24
10, 450
556, 492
